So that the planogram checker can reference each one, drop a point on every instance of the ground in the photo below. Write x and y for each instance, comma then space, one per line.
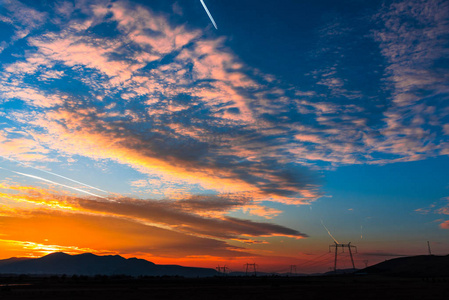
236, 288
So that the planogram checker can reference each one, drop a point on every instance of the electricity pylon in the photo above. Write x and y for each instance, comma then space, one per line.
342, 246
248, 268
292, 270
222, 269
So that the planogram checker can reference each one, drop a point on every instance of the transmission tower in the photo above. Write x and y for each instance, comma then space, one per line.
342, 246
292, 270
249, 267
222, 270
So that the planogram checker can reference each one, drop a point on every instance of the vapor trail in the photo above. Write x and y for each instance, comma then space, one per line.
48, 172
57, 183
329, 232
208, 13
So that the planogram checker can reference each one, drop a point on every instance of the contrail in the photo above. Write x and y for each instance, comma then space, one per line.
60, 184
208, 13
48, 172
329, 232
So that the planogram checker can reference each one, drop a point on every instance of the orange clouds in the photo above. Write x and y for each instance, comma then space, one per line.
180, 228
445, 225
80, 231
31, 249
36, 233
53, 226
185, 216
87, 132
112, 144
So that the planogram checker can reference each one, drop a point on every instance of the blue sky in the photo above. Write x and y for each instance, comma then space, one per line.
246, 137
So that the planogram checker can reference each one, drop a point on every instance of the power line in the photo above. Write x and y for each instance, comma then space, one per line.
316, 260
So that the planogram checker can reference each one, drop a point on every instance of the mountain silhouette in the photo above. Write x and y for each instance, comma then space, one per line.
412, 266
90, 264
12, 259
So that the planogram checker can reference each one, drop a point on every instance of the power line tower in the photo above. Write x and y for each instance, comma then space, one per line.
292, 270
222, 270
342, 246
249, 267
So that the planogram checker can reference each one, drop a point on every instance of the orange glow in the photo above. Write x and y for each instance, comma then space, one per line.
30, 249
64, 223
130, 211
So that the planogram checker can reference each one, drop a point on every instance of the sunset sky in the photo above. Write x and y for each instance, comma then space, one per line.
137, 128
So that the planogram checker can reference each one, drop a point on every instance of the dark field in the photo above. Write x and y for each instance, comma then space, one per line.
342, 287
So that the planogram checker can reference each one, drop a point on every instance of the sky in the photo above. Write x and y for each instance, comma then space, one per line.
139, 128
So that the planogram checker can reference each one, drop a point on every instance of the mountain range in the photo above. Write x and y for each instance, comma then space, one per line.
89, 264
59, 263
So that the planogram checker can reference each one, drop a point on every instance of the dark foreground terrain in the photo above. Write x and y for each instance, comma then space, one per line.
234, 288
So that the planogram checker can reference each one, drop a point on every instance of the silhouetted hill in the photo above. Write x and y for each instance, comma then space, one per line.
12, 260
90, 264
422, 266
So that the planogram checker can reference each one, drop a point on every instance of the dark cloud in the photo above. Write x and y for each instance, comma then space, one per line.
212, 203
171, 141
111, 234
186, 216
172, 214
389, 254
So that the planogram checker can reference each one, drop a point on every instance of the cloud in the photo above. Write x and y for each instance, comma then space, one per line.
381, 253
261, 211
440, 207
413, 40
32, 249
180, 106
199, 121
177, 9
22, 17
186, 216
445, 224
20, 145
169, 152
395, 105
108, 234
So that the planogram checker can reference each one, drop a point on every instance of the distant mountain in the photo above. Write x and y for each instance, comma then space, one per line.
415, 266
12, 259
89, 264
340, 272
